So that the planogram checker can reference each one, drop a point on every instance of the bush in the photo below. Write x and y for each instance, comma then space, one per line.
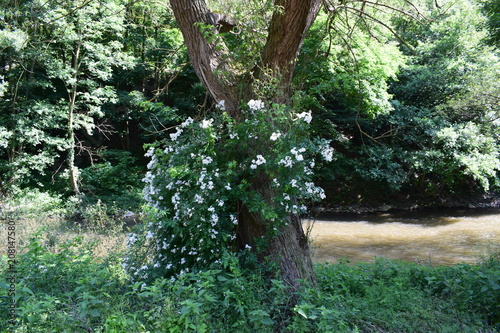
65, 291
199, 178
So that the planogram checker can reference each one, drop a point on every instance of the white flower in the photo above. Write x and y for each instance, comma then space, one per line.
206, 159
255, 105
248, 246
275, 136
209, 185
149, 235
221, 105
152, 163
307, 116
297, 153
187, 122
287, 161
176, 198
327, 153
198, 199
214, 233
258, 161
175, 136
206, 123
150, 152
132, 238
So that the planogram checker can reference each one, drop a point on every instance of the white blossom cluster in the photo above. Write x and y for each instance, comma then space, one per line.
256, 105
189, 184
187, 188
259, 160
306, 116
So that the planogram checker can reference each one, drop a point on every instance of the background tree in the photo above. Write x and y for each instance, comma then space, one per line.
63, 73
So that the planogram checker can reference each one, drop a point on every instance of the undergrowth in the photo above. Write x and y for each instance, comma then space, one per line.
69, 284
71, 291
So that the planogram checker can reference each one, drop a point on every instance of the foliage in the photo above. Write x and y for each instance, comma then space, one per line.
491, 8
198, 178
69, 290
30, 203
439, 137
58, 79
348, 70
115, 177
377, 82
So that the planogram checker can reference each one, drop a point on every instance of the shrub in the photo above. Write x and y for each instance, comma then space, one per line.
198, 178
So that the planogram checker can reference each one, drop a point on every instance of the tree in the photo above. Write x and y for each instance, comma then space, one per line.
63, 72
228, 85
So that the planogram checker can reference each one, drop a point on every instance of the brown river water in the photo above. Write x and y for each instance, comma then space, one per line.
438, 237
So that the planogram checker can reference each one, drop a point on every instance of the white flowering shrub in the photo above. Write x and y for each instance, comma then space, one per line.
206, 168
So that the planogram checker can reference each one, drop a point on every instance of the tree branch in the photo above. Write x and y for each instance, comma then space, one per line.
206, 51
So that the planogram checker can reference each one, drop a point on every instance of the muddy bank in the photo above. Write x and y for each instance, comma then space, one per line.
489, 200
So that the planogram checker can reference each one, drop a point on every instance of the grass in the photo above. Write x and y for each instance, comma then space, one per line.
70, 279
61, 221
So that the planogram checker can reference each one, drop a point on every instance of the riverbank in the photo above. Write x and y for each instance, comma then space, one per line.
71, 278
409, 203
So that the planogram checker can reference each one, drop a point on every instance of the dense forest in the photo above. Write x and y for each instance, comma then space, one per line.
409, 98
218, 125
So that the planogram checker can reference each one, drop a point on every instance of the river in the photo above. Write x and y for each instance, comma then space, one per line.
437, 237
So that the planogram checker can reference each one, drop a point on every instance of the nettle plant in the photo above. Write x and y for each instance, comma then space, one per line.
198, 179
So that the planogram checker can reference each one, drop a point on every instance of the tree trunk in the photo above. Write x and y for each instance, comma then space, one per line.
286, 34
73, 173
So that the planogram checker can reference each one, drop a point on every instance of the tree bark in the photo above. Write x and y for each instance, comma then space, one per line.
73, 174
287, 28
284, 40
207, 56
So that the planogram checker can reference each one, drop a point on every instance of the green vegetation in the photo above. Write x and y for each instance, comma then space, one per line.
409, 101
72, 281
108, 119
70, 278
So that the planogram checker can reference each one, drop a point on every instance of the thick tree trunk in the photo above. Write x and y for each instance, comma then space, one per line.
286, 34
289, 247
206, 56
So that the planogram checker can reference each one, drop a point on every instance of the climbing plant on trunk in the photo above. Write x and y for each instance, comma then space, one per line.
288, 25
255, 169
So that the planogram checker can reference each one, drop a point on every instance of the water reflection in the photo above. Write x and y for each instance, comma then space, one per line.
438, 237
